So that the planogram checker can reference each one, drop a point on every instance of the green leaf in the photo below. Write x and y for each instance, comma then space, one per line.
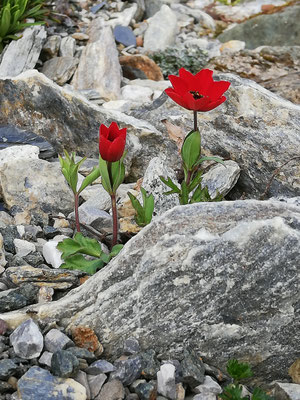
88, 180
145, 211
116, 250
5, 21
259, 394
195, 181
105, 180
191, 149
80, 244
200, 194
238, 370
105, 258
118, 174
78, 262
171, 185
148, 206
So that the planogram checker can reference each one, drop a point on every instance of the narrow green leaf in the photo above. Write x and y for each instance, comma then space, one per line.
171, 185
88, 180
216, 159
105, 180
149, 208
5, 21
191, 149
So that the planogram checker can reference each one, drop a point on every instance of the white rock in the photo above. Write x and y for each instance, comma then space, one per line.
23, 247
162, 30
209, 386
232, 46
123, 18
3, 261
205, 396
51, 253
27, 340
67, 47
290, 391
119, 105
25, 152
137, 93
220, 179
166, 381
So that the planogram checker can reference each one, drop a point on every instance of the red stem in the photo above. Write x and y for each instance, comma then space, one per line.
195, 121
115, 219
76, 196
188, 178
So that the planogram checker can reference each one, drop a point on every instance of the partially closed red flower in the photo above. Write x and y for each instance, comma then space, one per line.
197, 92
112, 142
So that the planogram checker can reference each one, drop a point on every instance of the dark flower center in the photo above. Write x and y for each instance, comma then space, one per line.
196, 95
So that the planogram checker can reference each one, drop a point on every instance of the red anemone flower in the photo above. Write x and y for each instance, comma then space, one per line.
197, 92
111, 142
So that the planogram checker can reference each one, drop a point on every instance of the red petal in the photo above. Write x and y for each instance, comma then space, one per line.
188, 78
179, 85
203, 80
116, 149
201, 104
177, 98
103, 131
217, 89
214, 104
104, 145
113, 131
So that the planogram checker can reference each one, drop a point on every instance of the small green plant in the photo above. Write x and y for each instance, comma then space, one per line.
70, 169
13, 13
143, 212
239, 370
74, 249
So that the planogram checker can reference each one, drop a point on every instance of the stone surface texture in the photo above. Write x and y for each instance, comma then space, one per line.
241, 256
106, 77
24, 52
39, 189
27, 340
268, 30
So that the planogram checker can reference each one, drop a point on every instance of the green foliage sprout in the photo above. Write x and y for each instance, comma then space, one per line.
239, 370
143, 212
13, 14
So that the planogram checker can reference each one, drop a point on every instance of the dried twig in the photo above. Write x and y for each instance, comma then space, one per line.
276, 172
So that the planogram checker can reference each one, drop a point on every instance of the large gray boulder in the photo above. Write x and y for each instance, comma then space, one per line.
278, 29
222, 278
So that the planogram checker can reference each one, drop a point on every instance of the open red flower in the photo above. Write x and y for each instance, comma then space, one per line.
111, 142
197, 92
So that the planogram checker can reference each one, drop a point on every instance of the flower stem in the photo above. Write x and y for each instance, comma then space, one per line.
188, 178
76, 197
195, 121
115, 219
113, 207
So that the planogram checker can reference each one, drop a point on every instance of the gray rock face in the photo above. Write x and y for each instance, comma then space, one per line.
39, 384
27, 340
112, 390
36, 187
127, 371
60, 69
15, 299
64, 364
241, 256
22, 54
255, 128
7, 368
56, 340
287, 391
162, 30
268, 29
99, 67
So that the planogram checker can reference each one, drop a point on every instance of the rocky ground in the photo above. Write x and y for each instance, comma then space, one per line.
203, 283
